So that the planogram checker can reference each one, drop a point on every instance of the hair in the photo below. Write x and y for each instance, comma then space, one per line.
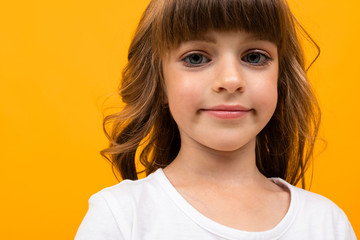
284, 147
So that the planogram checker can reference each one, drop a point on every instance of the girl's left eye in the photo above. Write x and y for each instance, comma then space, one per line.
256, 58
195, 59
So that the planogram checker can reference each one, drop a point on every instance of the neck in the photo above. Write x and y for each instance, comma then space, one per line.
211, 166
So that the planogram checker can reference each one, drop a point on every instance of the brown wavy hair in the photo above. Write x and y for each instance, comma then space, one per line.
284, 147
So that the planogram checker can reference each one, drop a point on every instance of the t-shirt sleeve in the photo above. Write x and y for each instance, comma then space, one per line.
350, 233
99, 222
346, 232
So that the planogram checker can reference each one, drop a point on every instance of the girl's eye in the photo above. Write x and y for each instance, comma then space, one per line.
195, 59
256, 58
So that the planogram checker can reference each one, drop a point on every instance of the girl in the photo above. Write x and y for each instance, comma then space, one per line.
218, 101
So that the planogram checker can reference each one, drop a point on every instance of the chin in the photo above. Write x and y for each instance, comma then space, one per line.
225, 146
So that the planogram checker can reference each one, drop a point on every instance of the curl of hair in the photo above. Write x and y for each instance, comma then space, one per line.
284, 147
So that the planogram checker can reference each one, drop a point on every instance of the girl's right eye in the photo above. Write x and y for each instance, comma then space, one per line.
195, 60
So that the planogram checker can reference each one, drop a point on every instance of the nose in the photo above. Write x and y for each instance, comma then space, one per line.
229, 76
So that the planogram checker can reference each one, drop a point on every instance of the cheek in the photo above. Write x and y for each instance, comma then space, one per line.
183, 90
266, 92
268, 96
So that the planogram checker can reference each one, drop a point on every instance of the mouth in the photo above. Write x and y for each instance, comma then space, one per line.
227, 111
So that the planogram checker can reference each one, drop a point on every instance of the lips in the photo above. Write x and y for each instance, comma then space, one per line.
227, 111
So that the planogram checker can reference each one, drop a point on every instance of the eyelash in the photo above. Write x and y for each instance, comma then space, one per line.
265, 62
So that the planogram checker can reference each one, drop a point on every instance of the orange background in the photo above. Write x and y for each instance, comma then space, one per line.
58, 60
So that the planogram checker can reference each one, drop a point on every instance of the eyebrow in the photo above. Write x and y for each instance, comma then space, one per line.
210, 39
205, 38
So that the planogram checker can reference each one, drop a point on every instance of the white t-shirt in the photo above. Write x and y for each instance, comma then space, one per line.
152, 209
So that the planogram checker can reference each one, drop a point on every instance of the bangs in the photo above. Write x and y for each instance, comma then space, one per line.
183, 20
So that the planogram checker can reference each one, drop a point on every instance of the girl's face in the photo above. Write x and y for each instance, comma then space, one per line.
221, 89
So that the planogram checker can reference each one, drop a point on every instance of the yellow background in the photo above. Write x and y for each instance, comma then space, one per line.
58, 60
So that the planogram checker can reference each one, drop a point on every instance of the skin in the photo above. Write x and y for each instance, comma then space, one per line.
215, 170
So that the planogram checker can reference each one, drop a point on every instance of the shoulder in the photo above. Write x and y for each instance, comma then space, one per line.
316, 203
309, 200
127, 191
313, 210
112, 211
